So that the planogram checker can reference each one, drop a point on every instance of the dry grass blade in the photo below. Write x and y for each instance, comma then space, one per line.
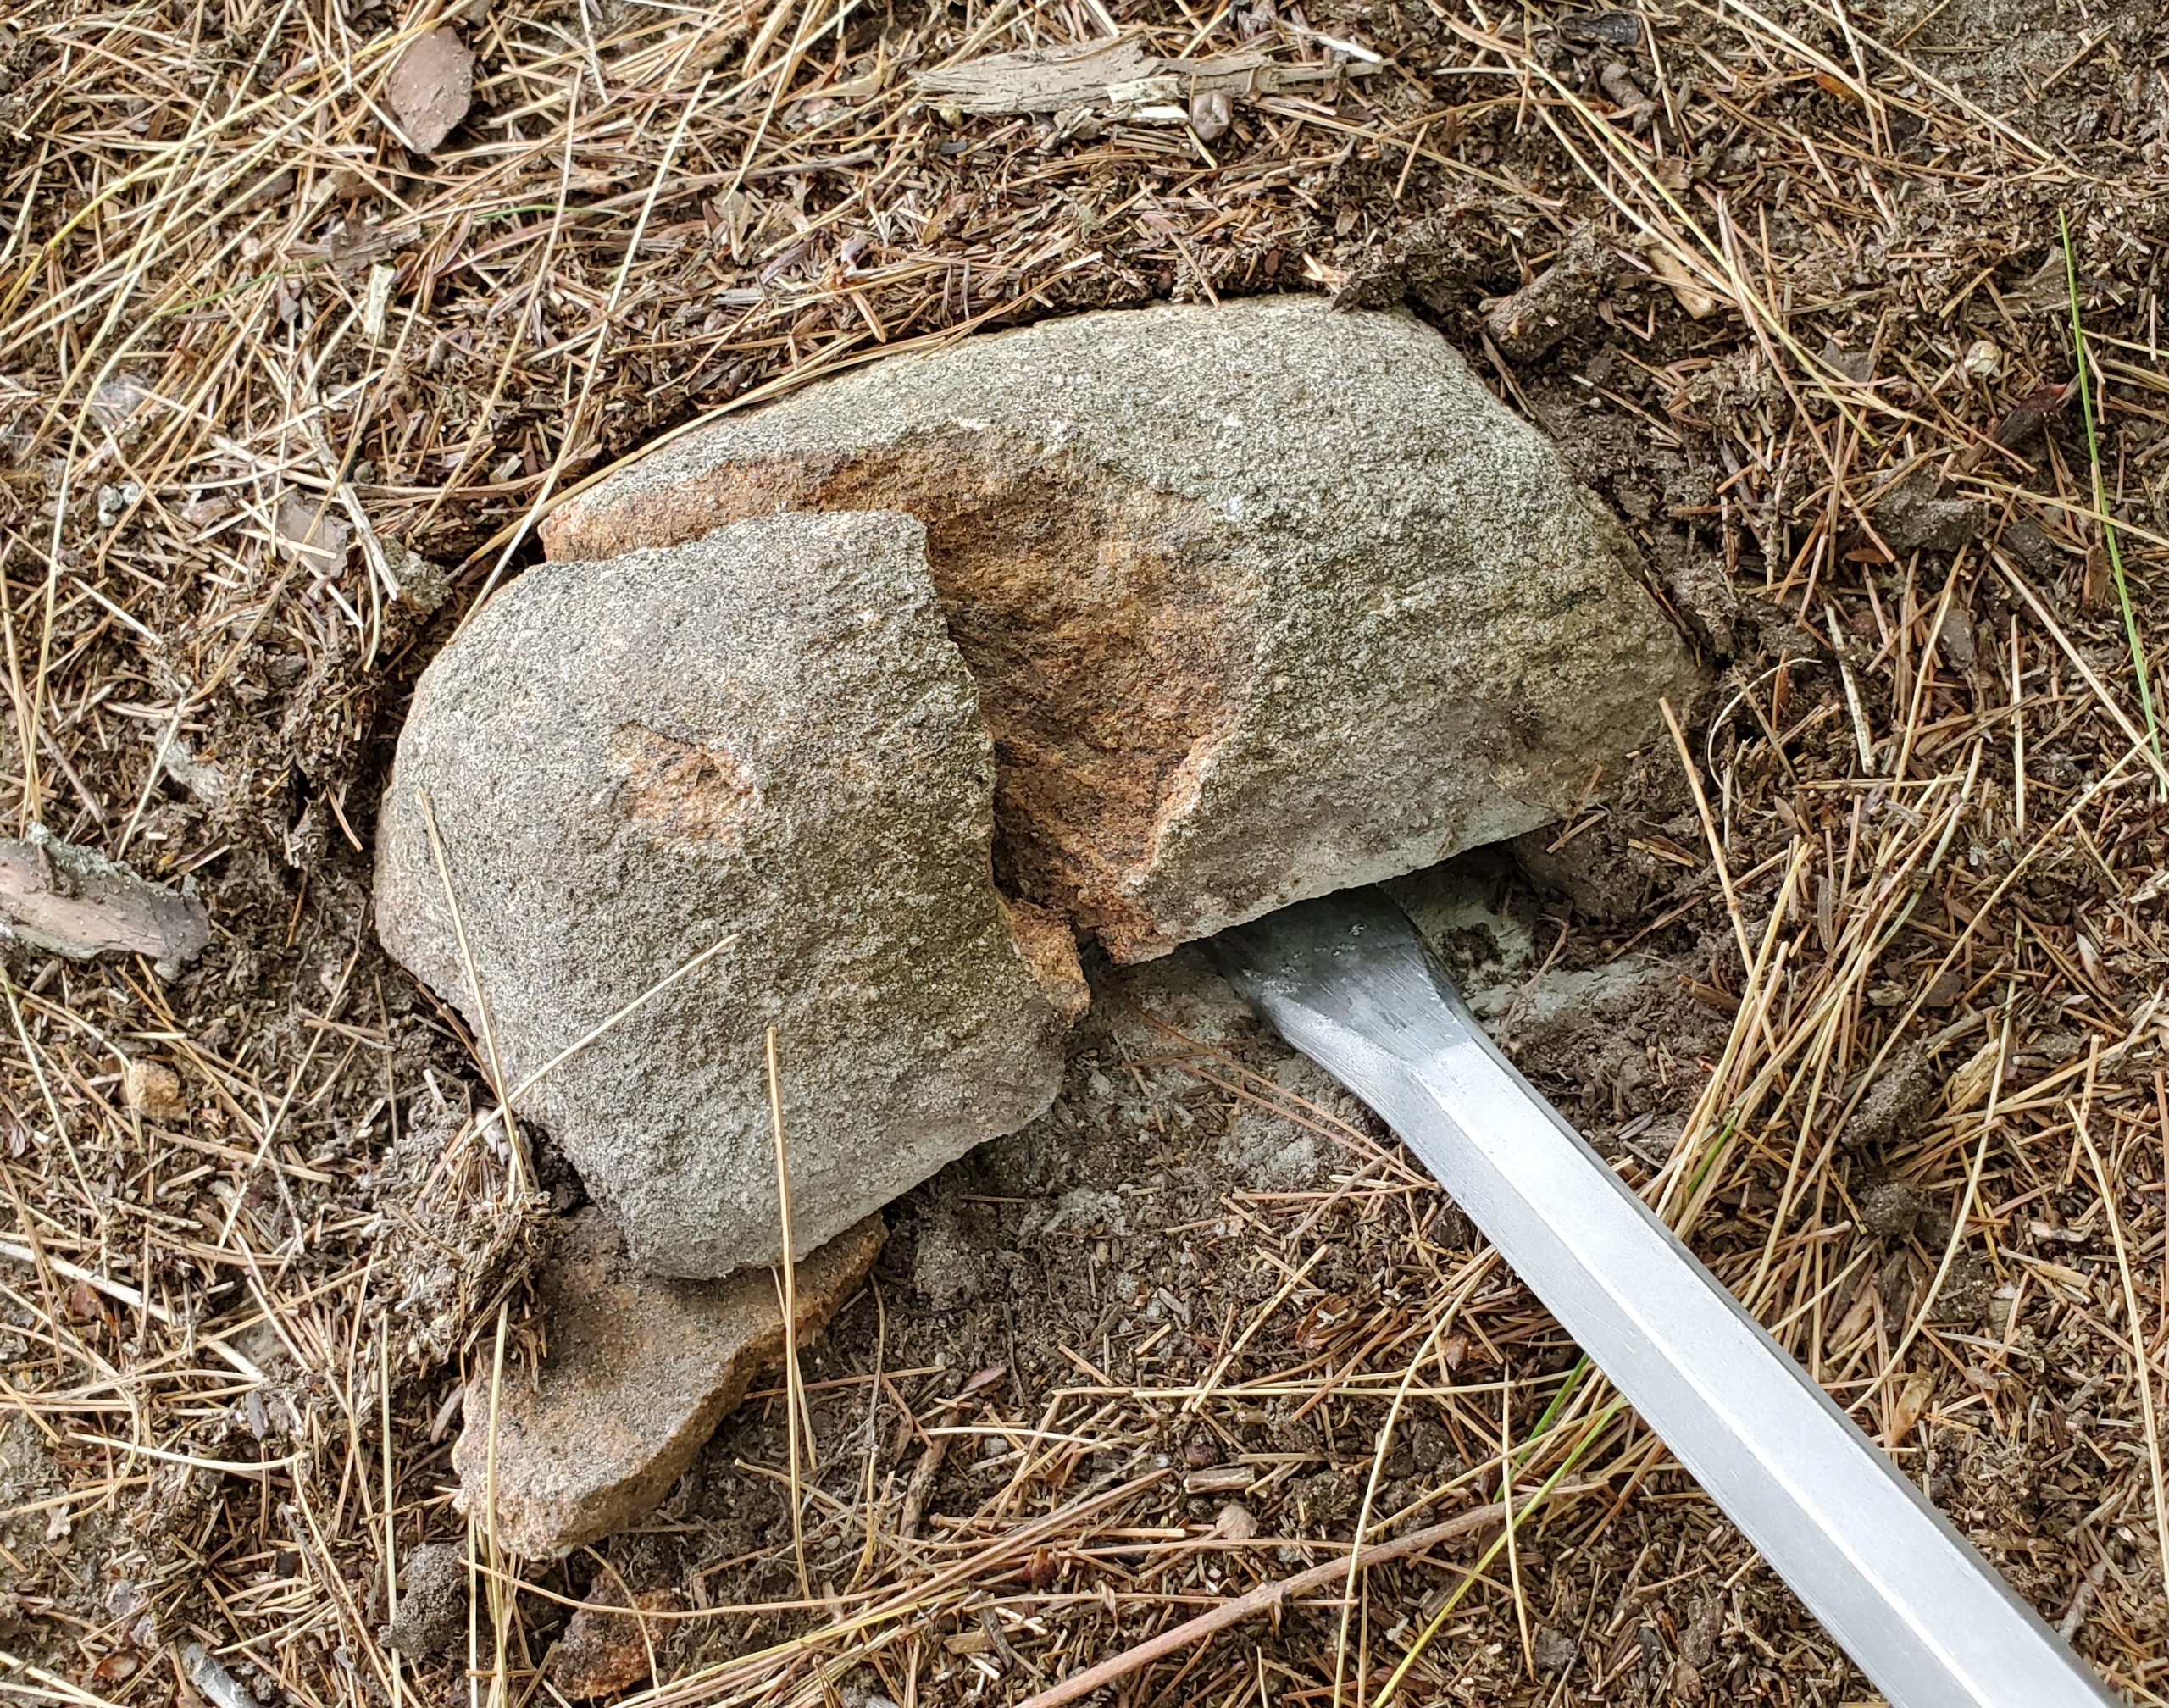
1867, 997
787, 1286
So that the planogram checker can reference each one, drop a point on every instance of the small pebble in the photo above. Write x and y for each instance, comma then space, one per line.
1236, 1522
152, 1088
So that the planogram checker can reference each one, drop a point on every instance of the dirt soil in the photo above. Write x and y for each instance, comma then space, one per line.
1861, 982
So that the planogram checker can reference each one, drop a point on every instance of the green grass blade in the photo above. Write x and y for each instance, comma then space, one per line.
2101, 497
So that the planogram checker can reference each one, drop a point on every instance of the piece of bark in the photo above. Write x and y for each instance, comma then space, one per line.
2033, 412
1118, 75
1603, 29
73, 901
1558, 301
1690, 293
2021, 424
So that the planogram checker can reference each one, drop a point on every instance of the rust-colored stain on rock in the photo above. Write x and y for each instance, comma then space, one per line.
1049, 949
1259, 602
682, 791
1103, 623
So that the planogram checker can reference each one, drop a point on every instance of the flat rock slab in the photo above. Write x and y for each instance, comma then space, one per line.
756, 755
1262, 599
640, 1371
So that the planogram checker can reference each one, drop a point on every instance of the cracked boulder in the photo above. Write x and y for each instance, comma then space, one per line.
695, 792
638, 1373
1262, 600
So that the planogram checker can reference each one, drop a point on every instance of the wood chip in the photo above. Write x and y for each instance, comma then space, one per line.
1692, 296
1913, 1400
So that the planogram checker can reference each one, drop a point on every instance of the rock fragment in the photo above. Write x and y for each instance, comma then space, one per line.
152, 1089
762, 749
1211, 113
640, 1371
210, 783
607, 1647
1911, 518
1896, 1103
306, 532
430, 88
1555, 1650
73, 901
1896, 1210
212, 1682
1235, 1522
1262, 599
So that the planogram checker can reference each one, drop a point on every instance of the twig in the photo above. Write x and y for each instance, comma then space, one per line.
1268, 1596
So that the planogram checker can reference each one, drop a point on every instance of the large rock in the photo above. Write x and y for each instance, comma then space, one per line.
763, 738
640, 1371
1263, 600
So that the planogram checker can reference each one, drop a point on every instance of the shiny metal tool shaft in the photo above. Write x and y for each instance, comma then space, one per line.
1350, 982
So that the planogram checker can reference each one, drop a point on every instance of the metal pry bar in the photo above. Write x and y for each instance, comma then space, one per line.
1350, 982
